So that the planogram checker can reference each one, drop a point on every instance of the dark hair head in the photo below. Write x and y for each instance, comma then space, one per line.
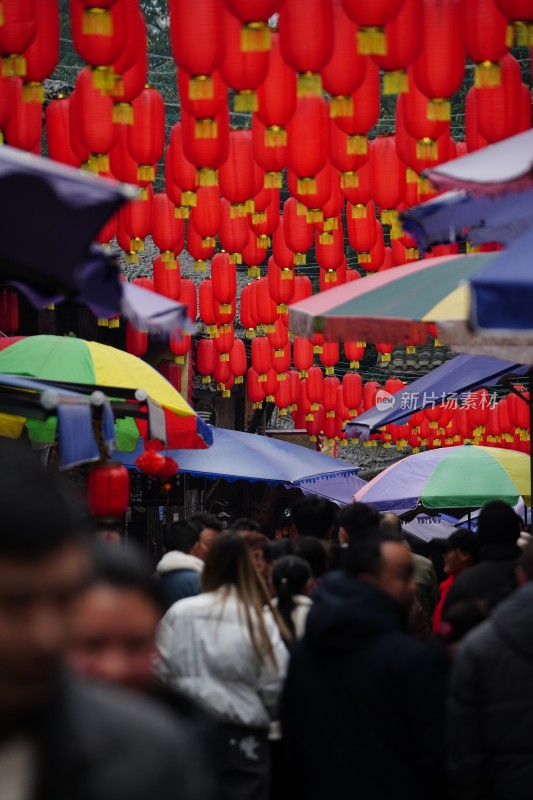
38, 511
313, 516
181, 536
125, 568
390, 522
244, 524
289, 576
464, 540
364, 557
201, 521
314, 552
461, 618
253, 540
359, 520
277, 549
497, 524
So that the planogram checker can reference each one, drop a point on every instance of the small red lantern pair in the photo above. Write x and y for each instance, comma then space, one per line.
154, 464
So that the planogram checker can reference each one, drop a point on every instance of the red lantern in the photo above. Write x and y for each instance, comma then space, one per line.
306, 37
276, 98
283, 255
272, 158
279, 337
474, 139
519, 12
302, 288
136, 341
93, 118
261, 357
183, 171
208, 151
188, 297
207, 305
43, 53
359, 190
57, 119
297, 231
130, 70
223, 342
180, 346
255, 388
146, 137
109, 230
371, 16
136, 219
234, 232
499, 107
281, 360
206, 359
264, 223
167, 231
108, 490
329, 356
172, 372
190, 25
388, 179
329, 395
313, 194
330, 255
223, 279
167, 278
377, 251
202, 107
24, 126
303, 355
280, 285
307, 141
440, 67
242, 70
412, 113
361, 230
347, 163
18, 29
205, 216
314, 386
484, 32
253, 255
248, 319
370, 390
197, 250
150, 463
346, 69
314, 425
403, 42
354, 352
366, 108
265, 308
99, 49
237, 360
352, 392
236, 175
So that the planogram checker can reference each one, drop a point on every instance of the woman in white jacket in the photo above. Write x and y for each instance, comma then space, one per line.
224, 651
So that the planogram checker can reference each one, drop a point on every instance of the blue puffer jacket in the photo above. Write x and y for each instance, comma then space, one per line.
180, 576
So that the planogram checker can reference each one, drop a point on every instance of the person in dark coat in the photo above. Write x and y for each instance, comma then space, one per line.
490, 722
61, 737
494, 577
364, 703
180, 570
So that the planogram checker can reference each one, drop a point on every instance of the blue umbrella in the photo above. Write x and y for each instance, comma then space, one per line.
235, 456
453, 379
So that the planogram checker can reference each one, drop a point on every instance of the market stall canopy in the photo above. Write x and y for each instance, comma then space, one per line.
51, 214
452, 380
397, 305
502, 167
66, 359
339, 488
466, 476
235, 455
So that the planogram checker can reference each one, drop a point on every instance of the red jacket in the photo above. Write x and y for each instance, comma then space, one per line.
444, 588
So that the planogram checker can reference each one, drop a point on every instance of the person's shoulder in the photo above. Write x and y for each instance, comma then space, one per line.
190, 605
481, 641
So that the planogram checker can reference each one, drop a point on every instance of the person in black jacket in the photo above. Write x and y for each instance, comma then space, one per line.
493, 578
364, 703
490, 723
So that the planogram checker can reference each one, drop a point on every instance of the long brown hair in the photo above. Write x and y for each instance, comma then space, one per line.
229, 564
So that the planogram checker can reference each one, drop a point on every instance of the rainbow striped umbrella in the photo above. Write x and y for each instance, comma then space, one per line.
466, 476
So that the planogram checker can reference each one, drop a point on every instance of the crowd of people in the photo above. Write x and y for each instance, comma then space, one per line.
324, 665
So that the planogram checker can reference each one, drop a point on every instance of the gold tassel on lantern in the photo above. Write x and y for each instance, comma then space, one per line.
275, 136
209, 241
389, 216
235, 258
330, 277
2, 140
101, 161
412, 253
226, 393
309, 417
250, 333
1, 13
206, 379
301, 209
200, 265
439, 109
427, 148
205, 176
257, 405
306, 186
122, 113
354, 364
136, 245
357, 145
259, 217
168, 259
245, 100
32, 92
103, 79
189, 198
114, 322
411, 176
300, 259
487, 74
102, 322
359, 211
238, 379
255, 37
410, 349
279, 354
309, 84
131, 257
341, 106
330, 370
282, 308
364, 257
90, 165
349, 180
250, 205
523, 32
273, 180
472, 248
313, 215
201, 87
424, 186
371, 41
396, 231
287, 274
179, 359
237, 210
13, 66
331, 224
263, 241
224, 308
146, 172
224, 356
395, 82
97, 22
205, 128
262, 378
317, 350
181, 212
326, 238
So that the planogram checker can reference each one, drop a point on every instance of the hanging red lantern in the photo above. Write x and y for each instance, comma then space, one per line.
188, 298
180, 345
371, 16
253, 255
236, 175
261, 357
223, 279
283, 255
99, 50
330, 255
205, 216
346, 69
224, 342
332, 208
108, 231
302, 355
370, 390
24, 126
403, 42
484, 33
520, 14
388, 180
278, 338
281, 361
93, 118
385, 349
146, 137
234, 232
358, 190
202, 107
352, 392
297, 231
499, 107
365, 114
411, 113
150, 463
361, 230
17, 31
136, 219
136, 341
329, 395
474, 139
183, 171
208, 151
377, 251
172, 372
270, 158
347, 163
190, 25
266, 311
206, 359
314, 426
255, 388
42, 54
207, 305
225, 314
248, 319
222, 375
313, 194
284, 396
354, 352
167, 231
329, 356
280, 285
57, 121
314, 386
130, 70
306, 38
196, 248
242, 70
439, 69
108, 490
167, 278
264, 222
7, 99
237, 360
302, 288
307, 141
123, 167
